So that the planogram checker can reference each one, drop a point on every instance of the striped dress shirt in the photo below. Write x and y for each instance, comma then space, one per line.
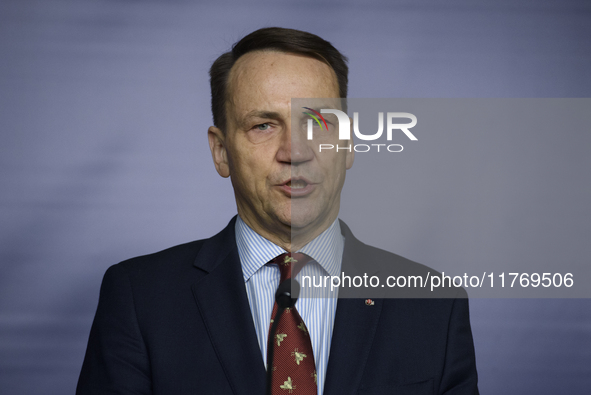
262, 280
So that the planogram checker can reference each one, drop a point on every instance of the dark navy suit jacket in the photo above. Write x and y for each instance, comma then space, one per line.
178, 322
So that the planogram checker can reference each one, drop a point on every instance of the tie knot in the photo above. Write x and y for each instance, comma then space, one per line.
290, 263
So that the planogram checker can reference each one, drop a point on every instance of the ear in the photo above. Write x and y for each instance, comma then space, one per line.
217, 145
350, 158
350, 155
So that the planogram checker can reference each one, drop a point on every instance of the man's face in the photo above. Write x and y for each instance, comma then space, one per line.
281, 182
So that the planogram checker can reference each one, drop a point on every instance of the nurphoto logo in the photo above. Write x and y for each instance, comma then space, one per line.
344, 124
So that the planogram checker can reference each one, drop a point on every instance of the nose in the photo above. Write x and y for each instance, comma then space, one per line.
294, 147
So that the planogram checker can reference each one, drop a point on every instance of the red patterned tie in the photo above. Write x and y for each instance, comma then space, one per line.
294, 369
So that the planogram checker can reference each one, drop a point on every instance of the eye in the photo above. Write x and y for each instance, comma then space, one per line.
262, 126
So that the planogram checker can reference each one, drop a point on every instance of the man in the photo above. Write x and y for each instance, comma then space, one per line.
194, 319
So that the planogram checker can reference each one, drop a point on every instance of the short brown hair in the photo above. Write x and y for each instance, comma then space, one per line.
272, 38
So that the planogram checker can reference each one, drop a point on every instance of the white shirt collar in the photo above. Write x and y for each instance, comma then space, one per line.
255, 251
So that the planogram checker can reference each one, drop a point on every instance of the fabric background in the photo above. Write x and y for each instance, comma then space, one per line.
104, 108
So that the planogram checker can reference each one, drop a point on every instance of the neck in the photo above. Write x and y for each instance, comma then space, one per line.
287, 237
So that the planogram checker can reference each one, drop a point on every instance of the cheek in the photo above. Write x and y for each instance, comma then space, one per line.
253, 166
254, 175
333, 166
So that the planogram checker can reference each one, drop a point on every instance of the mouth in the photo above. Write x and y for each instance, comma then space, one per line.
297, 184
297, 187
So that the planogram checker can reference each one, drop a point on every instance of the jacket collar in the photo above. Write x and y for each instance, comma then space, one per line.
223, 304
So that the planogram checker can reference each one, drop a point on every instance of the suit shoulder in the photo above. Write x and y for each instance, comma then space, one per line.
377, 259
373, 258
179, 253
391, 259
175, 264
411, 279
399, 265
156, 268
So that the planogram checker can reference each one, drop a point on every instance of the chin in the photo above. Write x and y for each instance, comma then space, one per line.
303, 217
303, 220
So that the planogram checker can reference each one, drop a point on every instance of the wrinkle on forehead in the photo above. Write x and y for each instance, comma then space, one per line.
251, 65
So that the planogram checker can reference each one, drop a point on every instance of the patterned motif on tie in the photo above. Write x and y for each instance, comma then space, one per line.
294, 370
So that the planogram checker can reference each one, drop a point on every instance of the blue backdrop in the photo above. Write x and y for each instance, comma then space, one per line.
104, 108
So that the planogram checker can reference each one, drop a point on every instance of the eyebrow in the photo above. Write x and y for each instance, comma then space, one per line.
307, 110
261, 114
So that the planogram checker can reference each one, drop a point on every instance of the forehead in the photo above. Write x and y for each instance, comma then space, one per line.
265, 80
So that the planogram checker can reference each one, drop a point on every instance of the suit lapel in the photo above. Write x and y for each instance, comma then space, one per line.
352, 338
354, 329
223, 303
